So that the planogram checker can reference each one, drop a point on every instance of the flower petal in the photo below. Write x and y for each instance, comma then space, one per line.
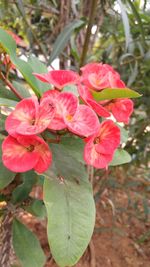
66, 104
45, 156
122, 110
59, 78
108, 137
87, 97
84, 122
16, 157
25, 113
93, 158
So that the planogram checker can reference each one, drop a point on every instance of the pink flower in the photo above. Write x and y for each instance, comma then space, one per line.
29, 117
24, 153
59, 78
88, 99
98, 76
121, 109
100, 147
79, 119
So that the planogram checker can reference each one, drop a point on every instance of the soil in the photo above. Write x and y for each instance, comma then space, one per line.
122, 232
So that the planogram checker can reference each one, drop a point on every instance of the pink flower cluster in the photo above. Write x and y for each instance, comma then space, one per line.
25, 149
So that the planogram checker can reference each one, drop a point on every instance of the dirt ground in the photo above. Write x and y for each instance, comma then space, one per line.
122, 232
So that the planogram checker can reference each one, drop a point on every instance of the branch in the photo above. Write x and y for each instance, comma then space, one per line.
88, 32
9, 84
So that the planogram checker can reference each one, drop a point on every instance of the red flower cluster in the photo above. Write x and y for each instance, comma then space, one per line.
57, 110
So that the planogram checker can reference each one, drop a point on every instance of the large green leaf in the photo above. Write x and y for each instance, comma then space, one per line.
120, 157
27, 246
71, 216
113, 93
63, 38
69, 202
24, 92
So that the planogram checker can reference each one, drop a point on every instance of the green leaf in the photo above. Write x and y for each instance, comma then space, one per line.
27, 246
37, 208
26, 68
38, 67
7, 42
7, 102
6, 176
70, 223
138, 18
22, 191
6, 93
114, 93
124, 134
71, 217
125, 23
71, 88
68, 160
120, 157
63, 38
24, 92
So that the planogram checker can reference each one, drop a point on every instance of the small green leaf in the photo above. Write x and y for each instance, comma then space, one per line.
120, 157
6, 93
124, 134
38, 67
114, 93
7, 42
7, 102
63, 38
22, 191
71, 88
37, 208
126, 24
6, 176
27, 246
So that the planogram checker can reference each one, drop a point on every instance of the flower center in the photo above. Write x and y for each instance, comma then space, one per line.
30, 148
69, 117
97, 140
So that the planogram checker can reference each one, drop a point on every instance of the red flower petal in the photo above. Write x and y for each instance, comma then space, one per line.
25, 112
122, 110
59, 78
16, 157
108, 137
24, 153
99, 148
89, 100
84, 122
93, 158
29, 118
66, 104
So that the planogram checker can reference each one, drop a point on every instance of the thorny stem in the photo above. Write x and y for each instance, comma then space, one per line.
9, 84
88, 32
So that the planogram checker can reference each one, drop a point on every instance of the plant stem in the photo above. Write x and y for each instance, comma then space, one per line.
88, 32
9, 84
